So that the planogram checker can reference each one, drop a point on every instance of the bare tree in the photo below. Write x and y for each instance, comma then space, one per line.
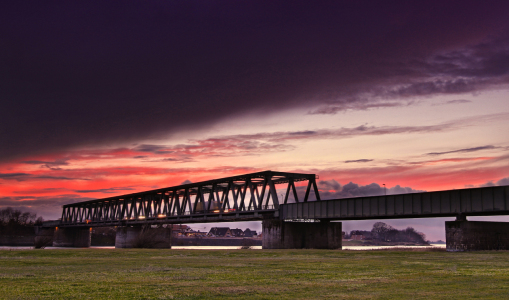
381, 230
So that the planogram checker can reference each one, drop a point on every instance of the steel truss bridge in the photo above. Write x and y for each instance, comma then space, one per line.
237, 198
254, 197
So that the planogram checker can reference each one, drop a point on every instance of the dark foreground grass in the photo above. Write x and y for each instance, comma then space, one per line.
252, 274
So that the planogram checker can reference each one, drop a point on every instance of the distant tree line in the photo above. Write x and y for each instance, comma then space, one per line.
386, 233
13, 221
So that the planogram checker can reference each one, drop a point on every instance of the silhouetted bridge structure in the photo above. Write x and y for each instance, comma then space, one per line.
237, 198
290, 221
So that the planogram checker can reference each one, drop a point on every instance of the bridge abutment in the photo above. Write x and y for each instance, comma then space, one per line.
143, 237
72, 237
278, 234
474, 235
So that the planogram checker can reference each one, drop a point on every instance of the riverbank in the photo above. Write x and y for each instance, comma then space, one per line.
378, 243
216, 241
251, 274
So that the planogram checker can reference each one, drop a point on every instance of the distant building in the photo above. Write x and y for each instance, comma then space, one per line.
179, 230
249, 233
220, 232
195, 233
237, 232
359, 235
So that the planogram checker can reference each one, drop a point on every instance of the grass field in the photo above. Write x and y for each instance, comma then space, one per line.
252, 274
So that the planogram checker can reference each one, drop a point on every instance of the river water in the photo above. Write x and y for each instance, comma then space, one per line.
237, 247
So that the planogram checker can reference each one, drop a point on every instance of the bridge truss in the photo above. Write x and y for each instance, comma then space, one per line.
242, 197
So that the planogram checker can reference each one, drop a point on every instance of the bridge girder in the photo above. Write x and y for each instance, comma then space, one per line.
242, 197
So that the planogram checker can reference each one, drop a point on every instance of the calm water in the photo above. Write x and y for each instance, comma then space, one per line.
236, 247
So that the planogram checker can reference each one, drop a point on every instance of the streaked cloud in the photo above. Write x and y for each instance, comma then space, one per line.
358, 160
465, 150
455, 101
26, 176
107, 191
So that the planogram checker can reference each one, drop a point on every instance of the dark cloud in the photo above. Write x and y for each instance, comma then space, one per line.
331, 189
339, 106
52, 165
329, 184
40, 191
106, 191
358, 161
86, 74
49, 207
501, 182
26, 176
466, 150
156, 149
15, 176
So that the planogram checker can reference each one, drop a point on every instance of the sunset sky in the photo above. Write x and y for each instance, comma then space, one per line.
103, 98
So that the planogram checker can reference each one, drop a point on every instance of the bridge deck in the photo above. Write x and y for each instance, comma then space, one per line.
467, 202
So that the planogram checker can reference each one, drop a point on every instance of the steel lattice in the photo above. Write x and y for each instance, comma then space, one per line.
243, 197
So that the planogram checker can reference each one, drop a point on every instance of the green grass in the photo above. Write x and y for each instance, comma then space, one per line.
252, 274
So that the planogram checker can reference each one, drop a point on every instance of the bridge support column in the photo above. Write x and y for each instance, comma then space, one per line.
474, 235
72, 237
143, 237
278, 234
43, 236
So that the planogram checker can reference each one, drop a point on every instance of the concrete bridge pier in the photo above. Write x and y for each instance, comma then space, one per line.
463, 235
143, 237
44, 236
72, 237
278, 234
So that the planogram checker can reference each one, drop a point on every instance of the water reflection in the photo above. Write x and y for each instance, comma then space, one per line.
235, 247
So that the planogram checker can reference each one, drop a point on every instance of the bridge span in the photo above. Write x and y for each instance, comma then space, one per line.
237, 198
289, 221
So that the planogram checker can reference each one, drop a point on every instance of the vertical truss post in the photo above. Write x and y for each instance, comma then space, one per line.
225, 197
252, 202
288, 189
188, 201
262, 195
176, 205
307, 191
273, 193
197, 199
64, 210
211, 196
216, 191
242, 206
131, 208
235, 196
317, 195
165, 202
